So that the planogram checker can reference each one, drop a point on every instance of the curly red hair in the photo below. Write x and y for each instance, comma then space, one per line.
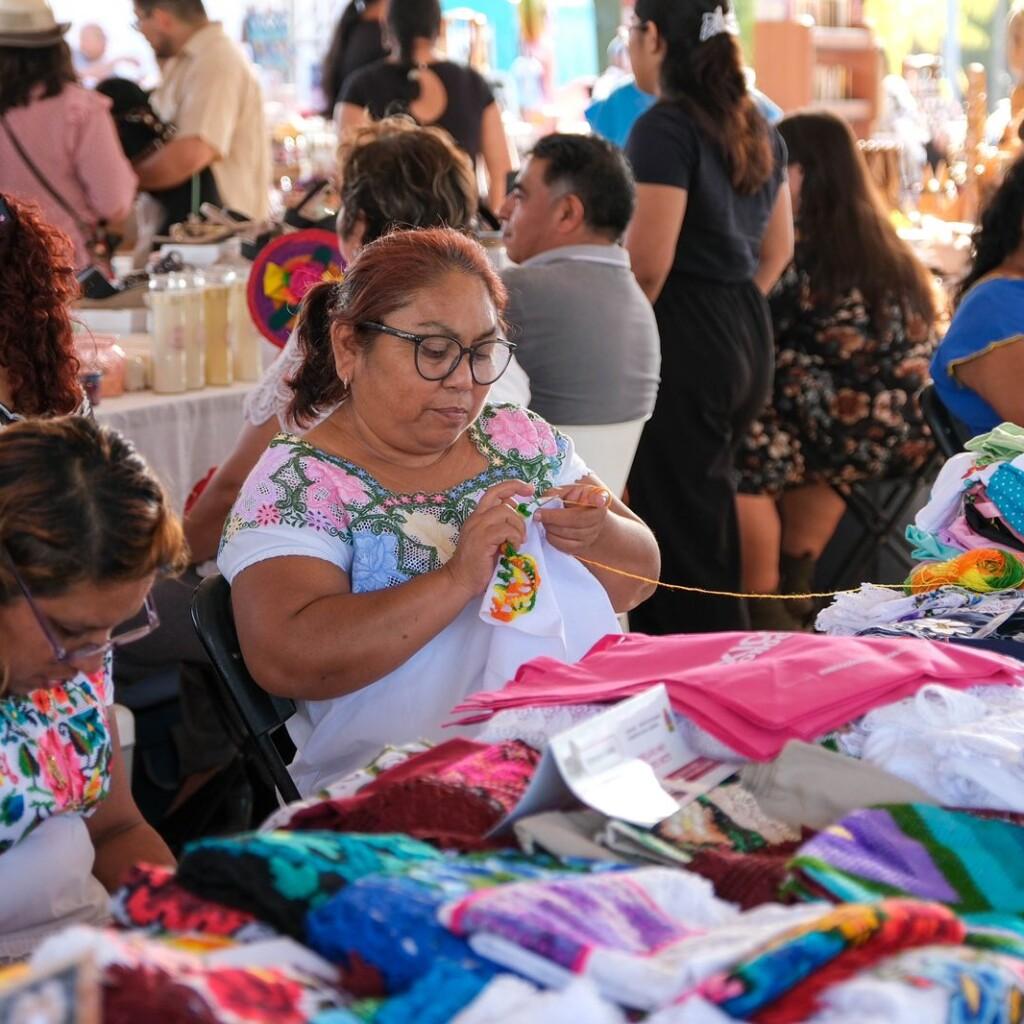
37, 287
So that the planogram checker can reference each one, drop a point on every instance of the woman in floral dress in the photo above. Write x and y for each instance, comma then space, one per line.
853, 318
361, 556
85, 531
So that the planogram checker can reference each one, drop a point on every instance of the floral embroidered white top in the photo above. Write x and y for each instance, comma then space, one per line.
55, 755
301, 501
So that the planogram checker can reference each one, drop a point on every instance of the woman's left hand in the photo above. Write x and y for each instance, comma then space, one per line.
575, 528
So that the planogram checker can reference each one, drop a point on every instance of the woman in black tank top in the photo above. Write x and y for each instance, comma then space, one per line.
415, 80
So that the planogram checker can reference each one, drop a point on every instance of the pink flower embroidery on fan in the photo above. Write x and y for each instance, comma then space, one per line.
303, 278
268, 515
513, 430
60, 769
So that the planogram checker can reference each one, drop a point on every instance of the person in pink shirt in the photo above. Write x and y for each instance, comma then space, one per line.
58, 143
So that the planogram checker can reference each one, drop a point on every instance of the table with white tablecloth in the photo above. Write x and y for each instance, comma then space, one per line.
181, 436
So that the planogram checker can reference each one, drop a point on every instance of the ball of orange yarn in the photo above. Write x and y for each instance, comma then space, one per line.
983, 570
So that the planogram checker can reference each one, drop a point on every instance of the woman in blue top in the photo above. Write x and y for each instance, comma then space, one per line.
979, 366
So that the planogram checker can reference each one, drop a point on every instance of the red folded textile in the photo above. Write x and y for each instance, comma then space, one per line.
452, 795
753, 691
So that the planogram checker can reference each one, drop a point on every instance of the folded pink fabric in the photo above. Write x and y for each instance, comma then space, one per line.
753, 691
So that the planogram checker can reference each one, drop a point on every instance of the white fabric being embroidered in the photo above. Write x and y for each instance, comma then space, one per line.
510, 1000
270, 398
855, 611
519, 595
717, 22
966, 749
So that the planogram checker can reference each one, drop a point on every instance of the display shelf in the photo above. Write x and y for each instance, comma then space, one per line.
802, 65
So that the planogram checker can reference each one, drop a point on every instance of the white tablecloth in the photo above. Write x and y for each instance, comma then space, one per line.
180, 436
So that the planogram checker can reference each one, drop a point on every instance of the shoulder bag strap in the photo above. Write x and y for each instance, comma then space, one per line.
86, 229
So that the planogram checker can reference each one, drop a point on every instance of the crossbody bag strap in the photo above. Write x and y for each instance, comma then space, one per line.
86, 229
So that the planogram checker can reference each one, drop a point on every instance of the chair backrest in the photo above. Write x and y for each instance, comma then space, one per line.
949, 437
608, 450
253, 713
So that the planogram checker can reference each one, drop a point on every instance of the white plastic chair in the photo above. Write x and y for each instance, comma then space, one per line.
126, 733
608, 450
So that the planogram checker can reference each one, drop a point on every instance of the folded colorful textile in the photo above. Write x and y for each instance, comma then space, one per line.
447, 989
385, 930
752, 691
616, 929
151, 900
145, 981
347, 785
279, 877
782, 982
972, 864
950, 983
452, 795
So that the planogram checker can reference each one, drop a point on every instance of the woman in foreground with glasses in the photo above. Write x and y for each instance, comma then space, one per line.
85, 530
360, 555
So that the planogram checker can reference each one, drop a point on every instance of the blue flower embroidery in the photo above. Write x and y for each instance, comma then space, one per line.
375, 562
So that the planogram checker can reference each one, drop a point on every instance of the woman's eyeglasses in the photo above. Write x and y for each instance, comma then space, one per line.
438, 356
72, 656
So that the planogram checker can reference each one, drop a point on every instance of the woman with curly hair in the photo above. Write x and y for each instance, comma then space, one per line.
38, 365
853, 319
980, 363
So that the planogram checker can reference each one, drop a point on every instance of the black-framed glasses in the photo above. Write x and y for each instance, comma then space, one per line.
84, 651
438, 356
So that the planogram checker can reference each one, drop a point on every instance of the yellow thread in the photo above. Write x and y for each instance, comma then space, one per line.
724, 593
730, 593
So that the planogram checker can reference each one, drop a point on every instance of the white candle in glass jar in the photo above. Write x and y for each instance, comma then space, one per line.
167, 330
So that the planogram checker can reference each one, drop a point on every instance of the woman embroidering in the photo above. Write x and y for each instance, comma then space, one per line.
360, 555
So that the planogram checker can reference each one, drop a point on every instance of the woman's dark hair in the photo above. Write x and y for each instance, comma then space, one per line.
999, 231
708, 81
845, 239
409, 20
78, 504
382, 278
37, 287
24, 69
395, 173
333, 69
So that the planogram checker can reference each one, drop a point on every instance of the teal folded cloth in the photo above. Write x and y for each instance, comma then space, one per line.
279, 877
971, 863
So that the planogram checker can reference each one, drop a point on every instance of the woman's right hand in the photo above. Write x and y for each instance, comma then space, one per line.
494, 523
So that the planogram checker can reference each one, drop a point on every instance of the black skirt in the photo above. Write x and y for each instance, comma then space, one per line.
716, 375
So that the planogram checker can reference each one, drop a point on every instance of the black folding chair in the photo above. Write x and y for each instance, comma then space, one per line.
252, 715
950, 436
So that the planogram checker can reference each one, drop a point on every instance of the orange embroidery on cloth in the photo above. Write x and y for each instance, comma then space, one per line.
515, 593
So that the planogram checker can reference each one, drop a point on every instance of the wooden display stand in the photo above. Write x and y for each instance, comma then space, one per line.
804, 65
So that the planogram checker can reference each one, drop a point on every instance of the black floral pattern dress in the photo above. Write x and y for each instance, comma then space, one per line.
845, 400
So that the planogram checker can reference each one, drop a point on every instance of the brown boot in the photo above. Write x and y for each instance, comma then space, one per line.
770, 615
797, 577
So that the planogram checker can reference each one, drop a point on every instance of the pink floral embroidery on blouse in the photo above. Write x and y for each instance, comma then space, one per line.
512, 429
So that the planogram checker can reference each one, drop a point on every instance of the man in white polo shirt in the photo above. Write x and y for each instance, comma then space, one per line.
586, 333
210, 92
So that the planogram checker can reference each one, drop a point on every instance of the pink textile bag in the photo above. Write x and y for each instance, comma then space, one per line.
752, 691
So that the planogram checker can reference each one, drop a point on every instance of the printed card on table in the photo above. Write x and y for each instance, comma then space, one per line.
630, 763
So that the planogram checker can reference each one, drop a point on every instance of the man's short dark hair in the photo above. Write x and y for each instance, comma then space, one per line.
595, 170
186, 10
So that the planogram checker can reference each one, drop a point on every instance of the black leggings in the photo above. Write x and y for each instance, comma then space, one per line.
716, 375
